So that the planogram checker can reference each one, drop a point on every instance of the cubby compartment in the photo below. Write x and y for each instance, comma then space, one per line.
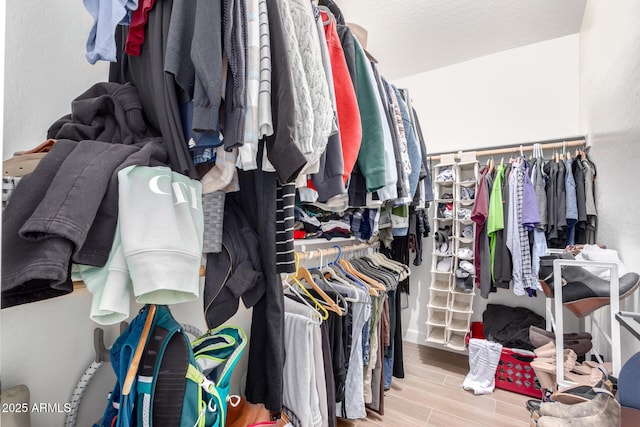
455, 339
462, 302
440, 285
436, 334
458, 321
437, 316
438, 299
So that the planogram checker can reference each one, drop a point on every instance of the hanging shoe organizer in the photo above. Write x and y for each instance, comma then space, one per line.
452, 274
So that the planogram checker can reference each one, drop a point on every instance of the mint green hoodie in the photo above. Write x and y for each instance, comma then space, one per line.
157, 247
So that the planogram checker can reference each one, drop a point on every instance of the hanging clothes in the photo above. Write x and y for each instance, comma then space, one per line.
479, 214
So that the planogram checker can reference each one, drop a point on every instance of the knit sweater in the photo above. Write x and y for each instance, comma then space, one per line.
313, 72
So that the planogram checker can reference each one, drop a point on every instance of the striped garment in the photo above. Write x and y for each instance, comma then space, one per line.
285, 252
247, 153
9, 184
265, 118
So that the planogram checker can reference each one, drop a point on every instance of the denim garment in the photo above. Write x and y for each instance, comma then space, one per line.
570, 188
388, 368
571, 231
353, 406
366, 342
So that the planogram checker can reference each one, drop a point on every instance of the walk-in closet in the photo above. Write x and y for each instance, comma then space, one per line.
320, 213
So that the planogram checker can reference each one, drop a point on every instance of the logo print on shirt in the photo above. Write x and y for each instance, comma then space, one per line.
177, 191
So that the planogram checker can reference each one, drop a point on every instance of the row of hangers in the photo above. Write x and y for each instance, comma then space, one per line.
537, 152
341, 271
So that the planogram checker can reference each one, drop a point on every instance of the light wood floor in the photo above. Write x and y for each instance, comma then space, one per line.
431, 394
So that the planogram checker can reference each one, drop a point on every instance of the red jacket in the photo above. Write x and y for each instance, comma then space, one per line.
346, 102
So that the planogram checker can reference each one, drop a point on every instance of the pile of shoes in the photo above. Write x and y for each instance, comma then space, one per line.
583, 406
582, 292
591, 402
575, 345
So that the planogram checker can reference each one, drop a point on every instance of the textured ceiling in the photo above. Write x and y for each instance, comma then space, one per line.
412, 36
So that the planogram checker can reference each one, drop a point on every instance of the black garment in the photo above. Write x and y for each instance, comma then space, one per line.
157, 89
399, 252
551, 170
65, 210
357, 188
236, 271
349, 49
581, 197
328, 374
107, 112
335, 324
266, 351
510, 325
285, 204
561, 206
335, 10
282, 151
503, 265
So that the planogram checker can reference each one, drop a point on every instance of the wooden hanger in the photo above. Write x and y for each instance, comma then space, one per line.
303, 274
366, 279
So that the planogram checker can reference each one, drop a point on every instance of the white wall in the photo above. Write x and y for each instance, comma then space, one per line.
45, 68
610, 113
521, 95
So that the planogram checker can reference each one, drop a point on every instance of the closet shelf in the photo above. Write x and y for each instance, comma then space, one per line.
440, 286
441, 254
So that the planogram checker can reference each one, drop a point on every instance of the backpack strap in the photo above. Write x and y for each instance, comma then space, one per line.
210, 388
135, 362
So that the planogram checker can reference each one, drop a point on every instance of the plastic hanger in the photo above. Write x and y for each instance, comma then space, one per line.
336, 264
303, 274
404, 270
319, 309
341, 300
328, 271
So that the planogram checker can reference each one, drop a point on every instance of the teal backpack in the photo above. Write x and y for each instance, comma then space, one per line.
163, 379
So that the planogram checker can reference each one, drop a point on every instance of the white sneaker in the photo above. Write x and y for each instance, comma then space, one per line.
444, 265
467, 266
465, 253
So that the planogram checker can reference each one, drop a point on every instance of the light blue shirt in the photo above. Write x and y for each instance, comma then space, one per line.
106, 14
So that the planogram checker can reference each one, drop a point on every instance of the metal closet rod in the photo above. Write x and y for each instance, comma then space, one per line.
573, 141
328, 252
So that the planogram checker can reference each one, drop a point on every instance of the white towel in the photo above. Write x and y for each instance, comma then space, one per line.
483, 360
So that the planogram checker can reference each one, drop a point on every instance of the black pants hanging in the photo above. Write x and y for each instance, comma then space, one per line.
266, 351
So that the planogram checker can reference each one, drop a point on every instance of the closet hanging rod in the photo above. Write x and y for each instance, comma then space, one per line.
327, 253
573, 141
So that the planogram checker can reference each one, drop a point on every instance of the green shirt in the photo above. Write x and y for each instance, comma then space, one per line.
495, 219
